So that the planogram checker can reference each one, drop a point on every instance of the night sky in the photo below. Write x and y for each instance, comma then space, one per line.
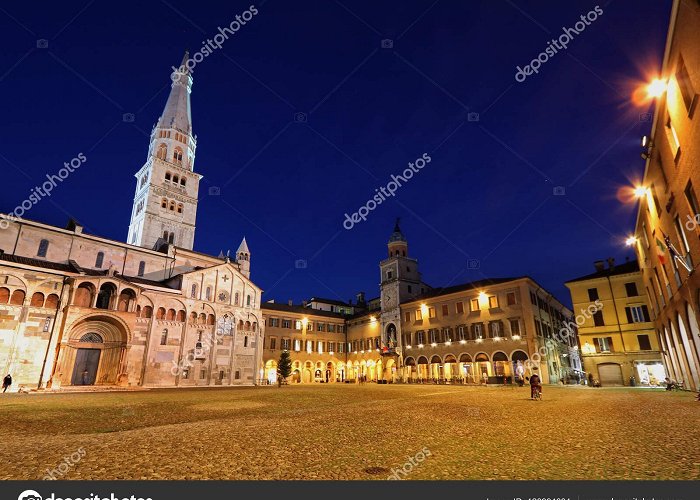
364, 112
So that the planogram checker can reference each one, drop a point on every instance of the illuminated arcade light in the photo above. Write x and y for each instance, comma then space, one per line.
433, 344
462, 341
448, 343
420, 346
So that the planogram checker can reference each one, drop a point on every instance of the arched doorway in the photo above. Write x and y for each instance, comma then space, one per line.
483, 367
409, 370
422, 369
466, 369
451, 368
501, 368
436, 368
271, 372
519, 362
330, 373
95, 353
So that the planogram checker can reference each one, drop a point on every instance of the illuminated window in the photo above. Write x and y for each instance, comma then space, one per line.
474, 304
685, 85
460, 308
493, 302
673, 141
431, 312
419, 315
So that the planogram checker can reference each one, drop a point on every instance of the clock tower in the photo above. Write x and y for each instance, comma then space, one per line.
400, 281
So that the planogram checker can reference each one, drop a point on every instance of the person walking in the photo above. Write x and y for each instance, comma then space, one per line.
6, 382
535, 385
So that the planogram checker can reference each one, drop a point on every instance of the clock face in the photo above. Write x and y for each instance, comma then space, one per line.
223, 297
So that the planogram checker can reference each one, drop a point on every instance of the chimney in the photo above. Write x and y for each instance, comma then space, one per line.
290, 302
599, 265
611, 263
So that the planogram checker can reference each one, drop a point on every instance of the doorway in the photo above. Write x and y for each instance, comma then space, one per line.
85, 368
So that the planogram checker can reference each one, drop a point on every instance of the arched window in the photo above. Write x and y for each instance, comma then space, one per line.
100, 258
236, 299
193, 293
160, 313
172, 206
104, 297
181, 315
164, 337
176, 179
211, 319
171, 238
147, 312
162, 152
43, 248
208, 293
126, 299
167, 176
51, 301
91, 338
247, 300
177, 156
142, 268
183, 181
17, 298
180, 206
83, 295
170, 315
164, 203
245, 341
37, 300
4, 295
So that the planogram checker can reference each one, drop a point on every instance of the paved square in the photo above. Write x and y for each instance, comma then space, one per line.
352, 432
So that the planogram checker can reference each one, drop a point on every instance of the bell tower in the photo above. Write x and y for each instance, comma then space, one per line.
167, 188
400, 281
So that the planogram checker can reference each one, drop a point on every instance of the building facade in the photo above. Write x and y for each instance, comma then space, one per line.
619, 345
667, 230
77, 309
480, 332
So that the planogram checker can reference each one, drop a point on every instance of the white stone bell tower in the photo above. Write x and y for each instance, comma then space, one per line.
167, 188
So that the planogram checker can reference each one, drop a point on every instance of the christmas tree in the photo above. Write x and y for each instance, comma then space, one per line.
284, 367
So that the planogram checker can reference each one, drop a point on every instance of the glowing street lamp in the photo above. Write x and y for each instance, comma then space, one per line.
631, 241
640, 191
657, 88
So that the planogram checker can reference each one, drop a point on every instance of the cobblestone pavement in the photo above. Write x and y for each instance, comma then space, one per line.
352, 432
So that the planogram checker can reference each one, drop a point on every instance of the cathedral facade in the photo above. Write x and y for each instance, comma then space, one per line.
77, 309
81, 310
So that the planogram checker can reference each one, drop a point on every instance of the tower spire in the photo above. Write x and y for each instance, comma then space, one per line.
177, 112
165, 202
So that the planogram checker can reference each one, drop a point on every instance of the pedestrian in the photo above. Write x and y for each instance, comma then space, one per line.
6, 382
535, 385
590, 379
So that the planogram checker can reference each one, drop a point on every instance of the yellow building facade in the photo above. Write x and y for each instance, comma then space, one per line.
619, 345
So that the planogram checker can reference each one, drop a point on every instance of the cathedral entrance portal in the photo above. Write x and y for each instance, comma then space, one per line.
85, 368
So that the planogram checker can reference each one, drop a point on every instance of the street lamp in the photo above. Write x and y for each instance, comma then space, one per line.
657, 88
631, 241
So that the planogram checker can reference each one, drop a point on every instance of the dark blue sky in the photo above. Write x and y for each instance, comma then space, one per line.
486, 195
